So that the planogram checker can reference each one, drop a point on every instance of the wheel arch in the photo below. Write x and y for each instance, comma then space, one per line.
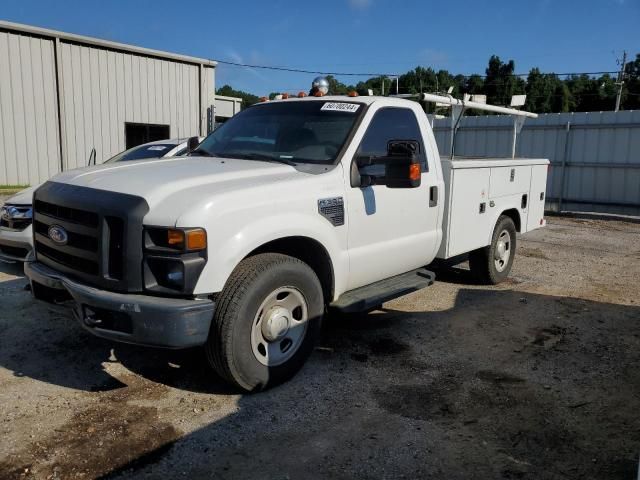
309, 251
514, 215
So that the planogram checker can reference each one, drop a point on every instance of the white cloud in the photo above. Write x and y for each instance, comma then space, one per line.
360, 4
254, 59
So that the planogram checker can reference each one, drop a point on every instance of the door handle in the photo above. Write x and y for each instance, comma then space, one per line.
433, 196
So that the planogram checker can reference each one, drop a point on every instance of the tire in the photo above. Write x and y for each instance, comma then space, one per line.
492, 264
267, 320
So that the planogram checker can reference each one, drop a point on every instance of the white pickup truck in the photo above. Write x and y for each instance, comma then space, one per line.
289, 208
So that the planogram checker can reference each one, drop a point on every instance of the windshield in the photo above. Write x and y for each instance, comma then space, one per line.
298, 132
143, 151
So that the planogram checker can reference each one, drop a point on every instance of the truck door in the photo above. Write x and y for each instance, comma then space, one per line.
391, 231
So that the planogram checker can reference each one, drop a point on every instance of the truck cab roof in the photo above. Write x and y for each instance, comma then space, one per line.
365, 99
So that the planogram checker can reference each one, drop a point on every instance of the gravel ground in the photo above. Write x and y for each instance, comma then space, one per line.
535, 378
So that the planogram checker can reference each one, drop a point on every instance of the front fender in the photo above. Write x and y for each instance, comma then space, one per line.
228, 245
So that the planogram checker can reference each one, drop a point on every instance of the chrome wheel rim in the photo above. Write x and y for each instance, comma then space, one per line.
502, 252
279, 326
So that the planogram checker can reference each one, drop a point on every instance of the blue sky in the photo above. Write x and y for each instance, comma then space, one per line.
386, 36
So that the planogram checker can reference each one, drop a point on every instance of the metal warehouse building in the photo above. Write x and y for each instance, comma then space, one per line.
61, 95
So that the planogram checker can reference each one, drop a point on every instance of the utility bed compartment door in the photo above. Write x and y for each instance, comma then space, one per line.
469, 217
509, 181
538, 189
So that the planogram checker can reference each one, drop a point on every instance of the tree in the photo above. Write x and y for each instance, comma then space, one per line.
631, 90
500, 83
545, 92
375, 84
247, 98
474, 84
590, 94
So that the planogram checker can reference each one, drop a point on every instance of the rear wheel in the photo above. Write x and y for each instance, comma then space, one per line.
267, 320
492, 264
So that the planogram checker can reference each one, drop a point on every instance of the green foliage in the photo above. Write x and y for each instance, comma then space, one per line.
546, 92
247, 98
500, 84
336, 87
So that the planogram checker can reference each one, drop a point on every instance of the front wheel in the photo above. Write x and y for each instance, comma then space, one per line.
266, 323
492, 264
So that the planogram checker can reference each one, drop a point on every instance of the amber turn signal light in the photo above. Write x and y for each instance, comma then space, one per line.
196, 239
193, 239
414, 171
175, 237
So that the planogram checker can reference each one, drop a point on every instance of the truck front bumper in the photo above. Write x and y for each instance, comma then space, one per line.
15, 245
138, 319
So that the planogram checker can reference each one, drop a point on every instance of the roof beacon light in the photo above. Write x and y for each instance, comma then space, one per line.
285, 96
320, 85
353, 93
301, 94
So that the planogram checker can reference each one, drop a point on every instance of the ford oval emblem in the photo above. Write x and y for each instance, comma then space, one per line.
58, 234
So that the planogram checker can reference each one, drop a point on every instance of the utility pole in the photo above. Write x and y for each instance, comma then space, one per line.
620, 81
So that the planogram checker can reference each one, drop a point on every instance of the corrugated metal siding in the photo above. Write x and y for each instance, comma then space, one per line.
103, 89
595, 163
226, 107
29, 140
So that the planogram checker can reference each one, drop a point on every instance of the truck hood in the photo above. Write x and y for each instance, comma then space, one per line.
160, 180
23, 197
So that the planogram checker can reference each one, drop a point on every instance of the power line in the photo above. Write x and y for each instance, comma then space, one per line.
298, 70
372, 74
544, 73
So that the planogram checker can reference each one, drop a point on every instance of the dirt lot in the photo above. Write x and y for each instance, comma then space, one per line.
536, 378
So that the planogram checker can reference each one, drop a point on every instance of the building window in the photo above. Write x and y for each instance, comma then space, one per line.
138, 133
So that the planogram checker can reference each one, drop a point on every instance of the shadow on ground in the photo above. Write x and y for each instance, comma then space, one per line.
40, 333
503, 385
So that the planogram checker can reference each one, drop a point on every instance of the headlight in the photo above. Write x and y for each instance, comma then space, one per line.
173, 259
16, 212
183, 239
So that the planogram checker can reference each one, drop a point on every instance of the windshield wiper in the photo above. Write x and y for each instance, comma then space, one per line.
263, 157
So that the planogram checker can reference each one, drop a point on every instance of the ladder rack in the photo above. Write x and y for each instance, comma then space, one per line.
458, 108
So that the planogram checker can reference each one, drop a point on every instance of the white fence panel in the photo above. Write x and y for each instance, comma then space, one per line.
595, 156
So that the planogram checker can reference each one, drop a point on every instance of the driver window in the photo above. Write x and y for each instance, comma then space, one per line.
391, 123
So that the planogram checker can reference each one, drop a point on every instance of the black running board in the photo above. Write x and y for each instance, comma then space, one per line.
371, 296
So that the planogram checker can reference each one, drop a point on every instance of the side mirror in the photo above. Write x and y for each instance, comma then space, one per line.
192, 143
401, 167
